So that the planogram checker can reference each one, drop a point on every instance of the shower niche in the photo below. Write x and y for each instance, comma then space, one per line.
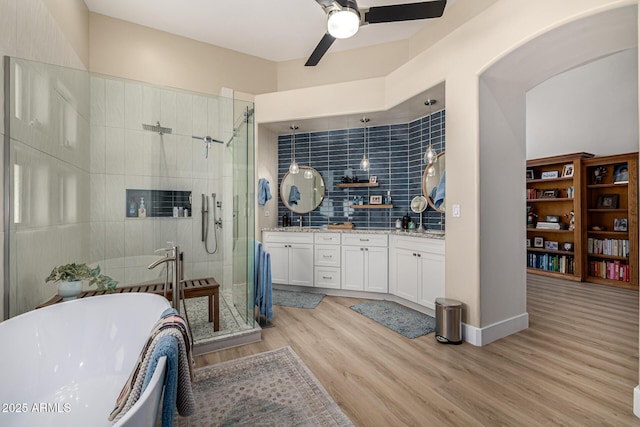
158, 203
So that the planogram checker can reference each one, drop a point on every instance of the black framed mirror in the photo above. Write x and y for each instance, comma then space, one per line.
302, 192
433, 183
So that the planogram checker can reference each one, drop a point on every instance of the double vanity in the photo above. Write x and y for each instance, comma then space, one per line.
408, 265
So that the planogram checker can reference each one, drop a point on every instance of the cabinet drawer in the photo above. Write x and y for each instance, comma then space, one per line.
364, 239
327, 277
287, 237
327, 238
422, 244
327, 255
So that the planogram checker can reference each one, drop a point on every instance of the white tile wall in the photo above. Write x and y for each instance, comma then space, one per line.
114, 103
115, 156
133, 106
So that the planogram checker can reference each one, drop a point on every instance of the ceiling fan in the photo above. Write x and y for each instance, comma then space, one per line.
344, 18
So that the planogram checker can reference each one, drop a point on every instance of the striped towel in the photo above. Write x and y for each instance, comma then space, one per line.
173, 325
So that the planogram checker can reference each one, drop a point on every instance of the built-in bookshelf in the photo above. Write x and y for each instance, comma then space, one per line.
610, 226
554, 233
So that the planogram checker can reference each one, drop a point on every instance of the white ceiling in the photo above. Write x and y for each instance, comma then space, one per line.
277, 30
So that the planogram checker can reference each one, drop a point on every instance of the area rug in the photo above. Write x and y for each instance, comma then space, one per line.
268, 389
396, 317
296, 299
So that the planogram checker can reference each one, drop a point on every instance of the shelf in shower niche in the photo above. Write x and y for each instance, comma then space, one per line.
358, 185
158, 203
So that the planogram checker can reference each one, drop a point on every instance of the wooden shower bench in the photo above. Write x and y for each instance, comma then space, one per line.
192, 289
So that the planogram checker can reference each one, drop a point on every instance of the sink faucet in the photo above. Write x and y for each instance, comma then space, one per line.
300, 221
172, 255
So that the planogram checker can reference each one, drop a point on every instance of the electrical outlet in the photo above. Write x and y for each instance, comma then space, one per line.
455, 211
266, 213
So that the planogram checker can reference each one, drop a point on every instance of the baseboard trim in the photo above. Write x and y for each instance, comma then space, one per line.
636, 401
488, 334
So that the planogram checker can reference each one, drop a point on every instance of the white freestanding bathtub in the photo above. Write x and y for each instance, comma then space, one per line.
64, 365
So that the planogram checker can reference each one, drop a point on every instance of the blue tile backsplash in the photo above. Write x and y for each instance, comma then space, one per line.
396, 153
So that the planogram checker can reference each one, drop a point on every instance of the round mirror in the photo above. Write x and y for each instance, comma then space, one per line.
418, 204
302, 192
433, 183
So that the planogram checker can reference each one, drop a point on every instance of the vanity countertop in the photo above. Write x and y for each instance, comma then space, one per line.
429, 234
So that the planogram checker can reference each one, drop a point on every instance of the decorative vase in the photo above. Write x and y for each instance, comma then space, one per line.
69, 290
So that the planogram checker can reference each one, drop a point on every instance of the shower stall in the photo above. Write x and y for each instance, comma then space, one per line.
105, 171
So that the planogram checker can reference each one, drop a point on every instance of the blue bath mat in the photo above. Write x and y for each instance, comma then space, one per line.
296, 299
396, 317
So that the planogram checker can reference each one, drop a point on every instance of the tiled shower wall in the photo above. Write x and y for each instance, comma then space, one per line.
396, 153
125, 156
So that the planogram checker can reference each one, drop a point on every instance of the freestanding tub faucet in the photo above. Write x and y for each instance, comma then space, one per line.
172, 256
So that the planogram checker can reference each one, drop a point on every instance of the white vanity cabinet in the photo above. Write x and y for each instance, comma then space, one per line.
365, 262
416, 269
326, 264
291, 257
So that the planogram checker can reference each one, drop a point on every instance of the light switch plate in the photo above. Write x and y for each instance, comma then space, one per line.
455, 211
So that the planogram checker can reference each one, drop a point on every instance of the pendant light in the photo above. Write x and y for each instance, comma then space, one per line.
293, 167
430, 156
364, 163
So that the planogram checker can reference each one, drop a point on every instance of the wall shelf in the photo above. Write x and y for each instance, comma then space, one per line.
358, 185
371, 206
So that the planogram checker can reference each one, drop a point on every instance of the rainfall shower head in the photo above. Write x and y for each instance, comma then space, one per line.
157, 128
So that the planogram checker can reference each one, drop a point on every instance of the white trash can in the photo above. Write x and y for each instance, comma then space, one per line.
448, 321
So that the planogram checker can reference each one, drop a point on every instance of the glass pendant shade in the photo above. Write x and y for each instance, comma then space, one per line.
294, 168
430, 156
364, 163
344, 23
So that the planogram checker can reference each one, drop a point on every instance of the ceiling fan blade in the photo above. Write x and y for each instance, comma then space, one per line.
405, 12
320, 50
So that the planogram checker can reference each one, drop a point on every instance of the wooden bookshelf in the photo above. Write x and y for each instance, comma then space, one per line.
556, 195
608, 204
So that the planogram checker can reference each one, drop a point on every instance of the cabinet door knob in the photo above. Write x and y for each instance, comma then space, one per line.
362, 249
366, 249
419, 255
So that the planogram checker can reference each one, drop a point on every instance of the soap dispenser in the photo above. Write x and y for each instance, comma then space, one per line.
133, 209
142, 210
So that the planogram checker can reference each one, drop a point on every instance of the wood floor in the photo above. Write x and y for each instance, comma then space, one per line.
576, 365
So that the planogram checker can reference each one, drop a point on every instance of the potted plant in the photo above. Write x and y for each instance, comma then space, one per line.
70, 276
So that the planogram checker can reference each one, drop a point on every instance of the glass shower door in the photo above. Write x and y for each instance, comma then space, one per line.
243, 210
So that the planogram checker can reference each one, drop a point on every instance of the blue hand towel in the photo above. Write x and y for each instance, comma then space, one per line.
294, 195
264, 192
166, 346
262, 281
440, 192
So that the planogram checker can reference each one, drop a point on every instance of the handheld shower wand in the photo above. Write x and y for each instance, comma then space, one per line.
205, 223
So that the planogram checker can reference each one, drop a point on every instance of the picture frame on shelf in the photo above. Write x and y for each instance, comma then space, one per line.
549, 174
620, 224
551, 245
375, 200
373, 179
528, 244
608, 201
530, 174
621, 174
567, 246
567, 170
549, 194
538, 242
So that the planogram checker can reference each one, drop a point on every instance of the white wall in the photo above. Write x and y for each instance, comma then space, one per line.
592, 108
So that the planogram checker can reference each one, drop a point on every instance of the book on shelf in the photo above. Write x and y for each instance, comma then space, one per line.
551, 225
612, 247
612, 270
551, 262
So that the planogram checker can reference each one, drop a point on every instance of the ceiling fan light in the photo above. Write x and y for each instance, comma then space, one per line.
344, 23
